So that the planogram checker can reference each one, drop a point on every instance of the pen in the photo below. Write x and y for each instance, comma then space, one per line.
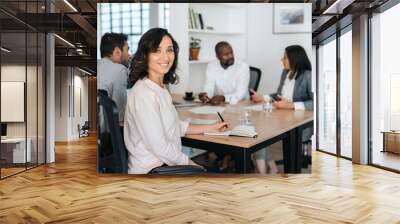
222, 119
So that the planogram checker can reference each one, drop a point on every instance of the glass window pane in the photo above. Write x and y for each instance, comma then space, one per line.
13, 84
145, 6
346, 94
115, 8
385, 114
31, 99
126, 25
129, 18
327, 97
41, 99
105, 18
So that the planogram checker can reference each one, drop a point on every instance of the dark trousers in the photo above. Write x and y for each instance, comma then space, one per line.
121, 128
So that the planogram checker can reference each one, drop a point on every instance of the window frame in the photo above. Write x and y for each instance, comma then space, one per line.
334, 37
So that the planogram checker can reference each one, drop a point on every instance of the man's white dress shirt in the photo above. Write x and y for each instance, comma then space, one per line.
153, 130
233, 82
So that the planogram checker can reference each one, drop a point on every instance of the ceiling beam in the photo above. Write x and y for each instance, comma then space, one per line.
82, 61
86, 27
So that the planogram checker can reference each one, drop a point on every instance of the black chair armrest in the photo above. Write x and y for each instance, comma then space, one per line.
178, 170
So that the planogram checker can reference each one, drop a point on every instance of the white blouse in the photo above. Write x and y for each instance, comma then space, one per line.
287, 93
152, 129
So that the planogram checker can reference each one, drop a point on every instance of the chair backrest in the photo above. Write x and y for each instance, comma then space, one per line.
86, 126
111, 151
255, 77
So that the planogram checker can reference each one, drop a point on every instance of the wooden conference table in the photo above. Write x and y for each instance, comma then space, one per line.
285, 125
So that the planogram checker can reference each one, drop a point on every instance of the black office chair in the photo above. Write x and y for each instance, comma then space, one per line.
83, 130
306, 153
85, 126
112, 154
255, 77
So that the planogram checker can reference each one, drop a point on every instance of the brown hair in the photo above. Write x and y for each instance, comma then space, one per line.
298, 60
148, 43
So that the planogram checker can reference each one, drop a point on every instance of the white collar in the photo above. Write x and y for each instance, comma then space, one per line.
153, 85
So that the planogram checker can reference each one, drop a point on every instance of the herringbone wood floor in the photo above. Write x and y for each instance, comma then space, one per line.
70, 191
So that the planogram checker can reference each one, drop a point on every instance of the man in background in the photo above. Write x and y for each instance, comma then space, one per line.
112, 69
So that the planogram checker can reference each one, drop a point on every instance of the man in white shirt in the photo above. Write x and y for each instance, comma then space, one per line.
112, 71
227, 80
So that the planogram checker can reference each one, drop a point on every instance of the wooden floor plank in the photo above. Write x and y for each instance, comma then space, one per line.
70, 191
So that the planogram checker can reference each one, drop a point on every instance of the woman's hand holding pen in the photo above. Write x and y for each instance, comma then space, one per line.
202, 128
220, 126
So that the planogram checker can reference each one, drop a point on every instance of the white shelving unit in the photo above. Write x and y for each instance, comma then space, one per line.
228, 22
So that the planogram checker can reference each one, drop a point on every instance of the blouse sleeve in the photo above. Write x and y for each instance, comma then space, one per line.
149, 124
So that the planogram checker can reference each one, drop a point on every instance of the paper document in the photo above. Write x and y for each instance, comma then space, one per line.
255, 107
207, 110
178, 105
240, 130
202, 121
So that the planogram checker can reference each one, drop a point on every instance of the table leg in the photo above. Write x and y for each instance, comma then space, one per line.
299, 149
288, 144
384, 142
242, 161
292, 151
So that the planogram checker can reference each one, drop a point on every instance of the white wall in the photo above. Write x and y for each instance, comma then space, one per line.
80, 82
263, 48
266, 48
33, 125
179, 30
68, 81
17, 73
61, 103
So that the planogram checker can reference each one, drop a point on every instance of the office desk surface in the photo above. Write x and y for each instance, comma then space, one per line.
268, 124
13, 140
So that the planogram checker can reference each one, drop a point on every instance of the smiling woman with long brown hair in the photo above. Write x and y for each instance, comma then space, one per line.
153, 129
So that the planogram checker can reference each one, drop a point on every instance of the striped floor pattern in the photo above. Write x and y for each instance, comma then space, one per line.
70, 191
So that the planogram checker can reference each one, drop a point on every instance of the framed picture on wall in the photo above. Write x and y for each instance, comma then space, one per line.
292, 18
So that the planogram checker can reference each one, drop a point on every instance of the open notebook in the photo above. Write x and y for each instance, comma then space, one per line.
240, 130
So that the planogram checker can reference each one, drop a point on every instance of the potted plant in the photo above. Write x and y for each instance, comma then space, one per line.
194, 48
